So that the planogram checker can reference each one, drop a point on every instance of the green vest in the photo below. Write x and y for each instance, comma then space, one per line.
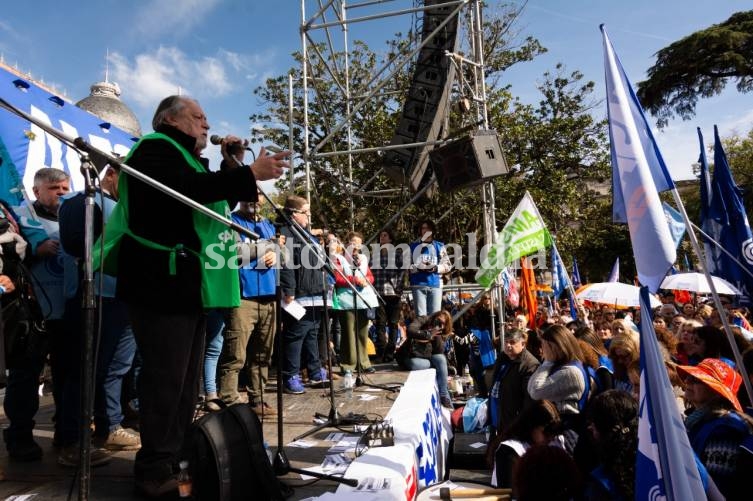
220, 286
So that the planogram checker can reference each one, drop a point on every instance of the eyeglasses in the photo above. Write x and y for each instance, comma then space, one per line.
299, 211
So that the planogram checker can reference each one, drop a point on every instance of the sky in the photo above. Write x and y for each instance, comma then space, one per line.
219, 51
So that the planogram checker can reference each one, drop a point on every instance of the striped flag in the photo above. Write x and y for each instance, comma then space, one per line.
665, 466
638, 175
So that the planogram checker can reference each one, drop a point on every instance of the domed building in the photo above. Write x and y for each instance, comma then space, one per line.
104, 102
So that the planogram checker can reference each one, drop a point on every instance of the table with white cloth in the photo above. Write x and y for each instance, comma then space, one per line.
418, 458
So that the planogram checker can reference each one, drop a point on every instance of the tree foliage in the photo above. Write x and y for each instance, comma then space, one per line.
699, 66
557, 149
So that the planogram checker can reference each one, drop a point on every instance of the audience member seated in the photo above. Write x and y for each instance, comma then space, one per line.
424, 348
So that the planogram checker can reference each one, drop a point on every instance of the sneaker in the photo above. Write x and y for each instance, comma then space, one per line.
69, 456
293, 385
446, 402
369, 370
264, 410
123, 439
213, 405
25, 451
157, 488
321, 379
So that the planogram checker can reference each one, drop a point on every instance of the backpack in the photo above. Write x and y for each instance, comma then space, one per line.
227, 458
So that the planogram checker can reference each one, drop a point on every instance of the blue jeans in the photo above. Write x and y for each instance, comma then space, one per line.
426, 300
215, 325
439, 362
117, 347
301, 339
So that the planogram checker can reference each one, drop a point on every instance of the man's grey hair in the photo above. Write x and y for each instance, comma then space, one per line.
169, 107
50, 175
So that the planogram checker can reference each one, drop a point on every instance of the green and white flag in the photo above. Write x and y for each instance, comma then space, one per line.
523, 234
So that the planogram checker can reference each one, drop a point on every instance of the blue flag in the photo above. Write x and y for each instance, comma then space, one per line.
675, 222
727, 210
559, 275
614, 275
708, 225
686, 263
665, 466
638, 175
575, 277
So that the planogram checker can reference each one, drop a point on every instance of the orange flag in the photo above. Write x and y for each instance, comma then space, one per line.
528, 291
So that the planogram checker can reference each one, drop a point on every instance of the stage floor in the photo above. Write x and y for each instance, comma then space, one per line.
46, 480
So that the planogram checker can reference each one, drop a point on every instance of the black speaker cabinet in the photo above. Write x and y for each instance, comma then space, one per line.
468, 161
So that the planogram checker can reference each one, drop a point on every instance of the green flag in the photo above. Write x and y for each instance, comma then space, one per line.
523, 234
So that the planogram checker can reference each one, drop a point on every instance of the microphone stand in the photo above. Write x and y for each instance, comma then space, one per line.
281, 463
89, 307
360, 379
99, 157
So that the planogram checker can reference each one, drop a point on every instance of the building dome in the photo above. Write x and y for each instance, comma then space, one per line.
104, 102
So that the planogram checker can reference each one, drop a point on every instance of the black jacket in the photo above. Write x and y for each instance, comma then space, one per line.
301, 274
514, 386
143, 274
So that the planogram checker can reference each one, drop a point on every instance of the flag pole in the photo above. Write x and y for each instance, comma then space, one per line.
719, 246
717, 302
570, 287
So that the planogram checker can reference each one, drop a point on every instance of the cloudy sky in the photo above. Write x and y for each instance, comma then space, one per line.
220, 50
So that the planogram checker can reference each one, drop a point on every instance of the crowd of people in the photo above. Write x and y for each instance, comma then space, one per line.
177, 331
574, 385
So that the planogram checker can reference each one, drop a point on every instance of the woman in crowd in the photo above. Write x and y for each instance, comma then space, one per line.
352, 268
562, 379
538, 424
424, 348
621, 327
683, 335
612, 420
624, 353
702, 342
596, 359
688, 311
720, 433
604, 331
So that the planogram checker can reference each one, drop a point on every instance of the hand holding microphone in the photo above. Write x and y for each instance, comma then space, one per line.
265, 166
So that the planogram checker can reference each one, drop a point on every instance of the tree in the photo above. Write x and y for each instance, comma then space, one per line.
699, 66
556, 148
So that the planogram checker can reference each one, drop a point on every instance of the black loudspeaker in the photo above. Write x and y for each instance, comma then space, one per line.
423, 110
468, 161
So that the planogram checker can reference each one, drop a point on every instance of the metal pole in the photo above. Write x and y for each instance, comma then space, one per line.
348, 129
291, 123
304, 75
714, 294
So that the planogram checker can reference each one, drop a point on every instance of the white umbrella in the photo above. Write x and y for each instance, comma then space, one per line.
614, 293
696, 282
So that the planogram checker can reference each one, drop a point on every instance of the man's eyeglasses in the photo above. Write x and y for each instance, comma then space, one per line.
299, 211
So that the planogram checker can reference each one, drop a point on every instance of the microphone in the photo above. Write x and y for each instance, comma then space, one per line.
215, 139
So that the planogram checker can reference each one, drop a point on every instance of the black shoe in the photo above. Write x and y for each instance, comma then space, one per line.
25, 451
446, 402
157, 488
70, 456
369, 370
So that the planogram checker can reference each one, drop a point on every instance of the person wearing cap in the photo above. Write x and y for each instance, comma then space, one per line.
719, 432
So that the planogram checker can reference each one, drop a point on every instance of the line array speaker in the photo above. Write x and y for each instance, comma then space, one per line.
421, 119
